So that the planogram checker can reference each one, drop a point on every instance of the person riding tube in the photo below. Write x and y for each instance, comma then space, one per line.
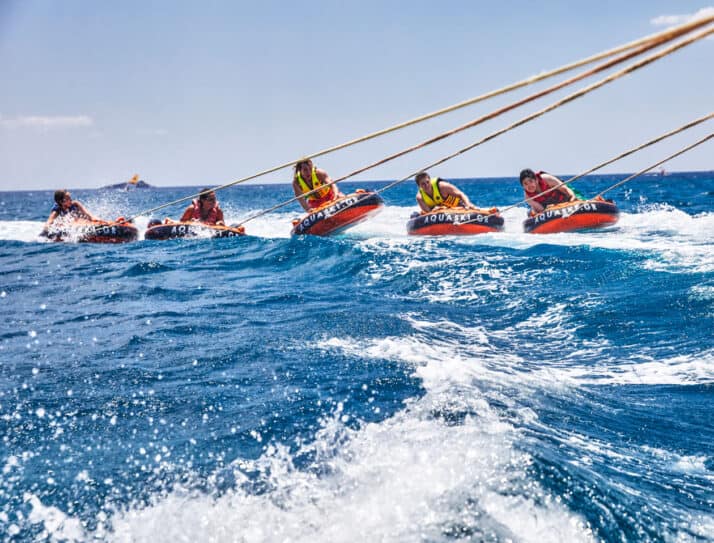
307, 178
435, 192
204, 210
67, 209
534, 184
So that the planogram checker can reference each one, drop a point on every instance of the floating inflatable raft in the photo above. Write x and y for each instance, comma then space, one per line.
455, 222
84, 231
570, 216
172, 230
339, 215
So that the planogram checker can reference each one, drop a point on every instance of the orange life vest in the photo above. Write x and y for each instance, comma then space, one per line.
211, 218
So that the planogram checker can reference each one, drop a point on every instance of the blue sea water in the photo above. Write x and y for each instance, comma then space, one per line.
367, 387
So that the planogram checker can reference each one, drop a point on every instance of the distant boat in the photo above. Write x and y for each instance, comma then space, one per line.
663, 172
133, 183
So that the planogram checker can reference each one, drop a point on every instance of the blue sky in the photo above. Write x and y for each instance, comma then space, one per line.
204, 93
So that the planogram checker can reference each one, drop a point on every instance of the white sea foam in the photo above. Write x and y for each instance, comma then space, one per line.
273, 225
56, 525
27, 231
411, 477
693, 465
686, 369
468, 354
672, 239
687, 464
414, 476
391, 221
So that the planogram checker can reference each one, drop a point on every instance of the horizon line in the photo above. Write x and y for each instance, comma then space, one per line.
105, 187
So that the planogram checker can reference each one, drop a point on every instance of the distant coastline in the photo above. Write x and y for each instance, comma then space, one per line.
144, 185
128, 186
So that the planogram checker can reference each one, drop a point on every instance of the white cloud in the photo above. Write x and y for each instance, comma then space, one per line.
47, 122
671, 20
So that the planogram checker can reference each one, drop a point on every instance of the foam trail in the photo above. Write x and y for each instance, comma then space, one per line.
408, 478
27, 231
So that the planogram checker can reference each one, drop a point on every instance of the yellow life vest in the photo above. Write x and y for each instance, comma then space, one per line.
438, 199
315, 183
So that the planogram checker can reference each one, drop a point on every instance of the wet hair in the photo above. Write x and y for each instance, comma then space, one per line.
299, 164
205, 193
59, 195
420, 176
527, 173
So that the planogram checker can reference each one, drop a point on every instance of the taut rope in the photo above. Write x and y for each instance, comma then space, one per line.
618, 157
571, 97
665, 35
648, 168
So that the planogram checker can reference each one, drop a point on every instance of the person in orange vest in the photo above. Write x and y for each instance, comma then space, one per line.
307, 178
534, 183
436, 192
204, 210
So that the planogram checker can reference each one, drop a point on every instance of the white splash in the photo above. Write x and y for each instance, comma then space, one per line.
57, 526
409, 478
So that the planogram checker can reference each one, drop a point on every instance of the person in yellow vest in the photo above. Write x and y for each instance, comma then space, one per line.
307, 178
436, 192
